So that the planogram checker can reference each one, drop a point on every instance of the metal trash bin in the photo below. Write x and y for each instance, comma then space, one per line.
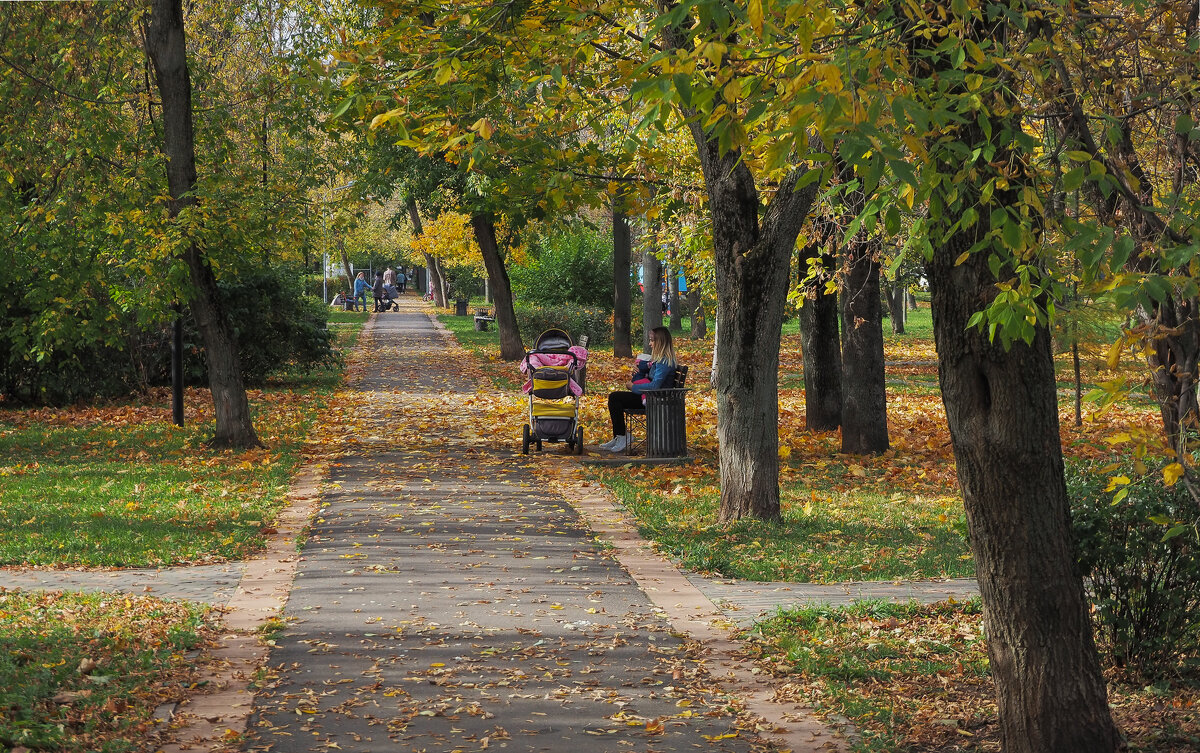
666, 423
460, 308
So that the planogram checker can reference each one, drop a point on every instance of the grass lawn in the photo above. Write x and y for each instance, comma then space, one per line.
117, 485
85, 672
913, 677
825, 535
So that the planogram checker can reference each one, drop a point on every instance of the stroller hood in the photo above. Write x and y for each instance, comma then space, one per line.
553, 340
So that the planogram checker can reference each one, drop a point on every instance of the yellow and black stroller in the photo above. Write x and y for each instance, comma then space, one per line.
557, 374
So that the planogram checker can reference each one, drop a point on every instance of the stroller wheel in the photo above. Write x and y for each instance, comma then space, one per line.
579, 441
525, 439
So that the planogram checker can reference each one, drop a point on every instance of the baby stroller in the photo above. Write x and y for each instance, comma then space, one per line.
557, 372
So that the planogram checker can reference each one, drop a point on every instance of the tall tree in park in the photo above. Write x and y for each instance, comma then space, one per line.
1000, 397
622, 293
820, 342
166, 46
753, 249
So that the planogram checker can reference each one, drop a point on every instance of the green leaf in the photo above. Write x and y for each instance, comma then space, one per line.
1074, 178
891, 221
344, 105
1121, 251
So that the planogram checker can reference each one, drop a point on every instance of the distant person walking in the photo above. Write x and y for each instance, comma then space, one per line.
360, 291
389, 276
378, 291
402, 279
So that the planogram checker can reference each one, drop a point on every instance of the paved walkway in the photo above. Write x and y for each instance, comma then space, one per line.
448, 601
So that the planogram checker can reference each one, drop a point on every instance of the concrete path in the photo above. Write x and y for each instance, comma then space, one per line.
447, 601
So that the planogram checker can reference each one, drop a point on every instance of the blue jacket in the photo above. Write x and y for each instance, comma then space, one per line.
661, 375
361, 286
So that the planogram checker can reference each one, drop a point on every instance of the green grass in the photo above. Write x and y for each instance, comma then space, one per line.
884, 666
117, 485
825, 535
51, 703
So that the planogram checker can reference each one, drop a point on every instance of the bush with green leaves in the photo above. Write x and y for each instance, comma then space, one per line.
572, 267
1141, 559
596, 323
276, 326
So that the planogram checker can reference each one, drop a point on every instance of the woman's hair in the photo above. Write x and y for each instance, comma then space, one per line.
663, 350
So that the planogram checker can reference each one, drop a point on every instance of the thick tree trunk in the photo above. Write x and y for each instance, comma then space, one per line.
651, 296
821, 349
167, 49
622, 292
1003, 414
511, 347
897, 310
676, 320
753, 260
699, 317
1002, 410
864, 392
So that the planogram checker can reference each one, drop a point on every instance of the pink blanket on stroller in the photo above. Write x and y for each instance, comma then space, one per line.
537, 360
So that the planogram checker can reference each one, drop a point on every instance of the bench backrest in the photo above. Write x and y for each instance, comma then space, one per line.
681, 376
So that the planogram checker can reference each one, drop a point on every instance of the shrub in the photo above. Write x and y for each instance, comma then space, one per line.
277, 328
596, 323
573, 267
1146, 587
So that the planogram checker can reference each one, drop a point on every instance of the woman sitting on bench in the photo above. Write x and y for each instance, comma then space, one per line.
654, 373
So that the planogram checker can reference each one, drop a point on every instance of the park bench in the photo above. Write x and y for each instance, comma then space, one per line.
482, 318
662, 420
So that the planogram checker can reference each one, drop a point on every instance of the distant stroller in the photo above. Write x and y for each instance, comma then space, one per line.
557, 371
388, 302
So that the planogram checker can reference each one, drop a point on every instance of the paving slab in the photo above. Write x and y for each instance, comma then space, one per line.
210, 584
447, 601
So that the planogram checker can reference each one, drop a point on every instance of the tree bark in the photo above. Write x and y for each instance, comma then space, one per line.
651, 296
864, 392
821, 349
166, 46
1002, 410
511, 347
896, 296
622, 293
1003, 415
699, 316
676, 320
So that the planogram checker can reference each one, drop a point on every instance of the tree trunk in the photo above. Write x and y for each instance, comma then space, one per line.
896, 295
864, 392
167, 49
676, 320
1003, 415
436, 283
698, 314
651, 296
1002, 410
821, 349
753, 260
511, 347
622, 250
